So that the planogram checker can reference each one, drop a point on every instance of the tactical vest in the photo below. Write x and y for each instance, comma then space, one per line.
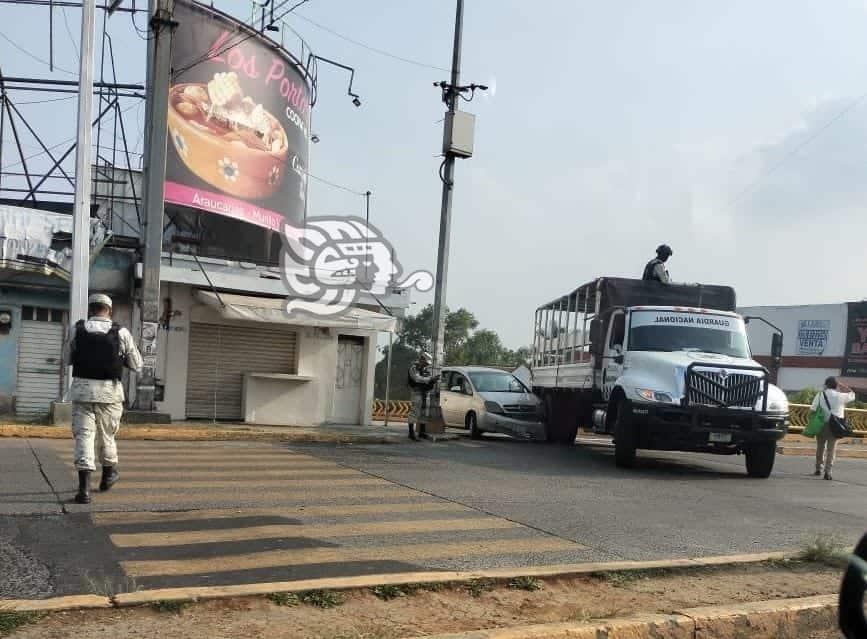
419, 386
649, 270
97, 355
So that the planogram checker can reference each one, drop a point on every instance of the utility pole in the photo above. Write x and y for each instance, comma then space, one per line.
450, 96
156, 114
457, 142
80, 281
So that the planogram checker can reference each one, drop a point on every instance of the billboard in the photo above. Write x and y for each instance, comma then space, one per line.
813, 336
238, 122
855, 355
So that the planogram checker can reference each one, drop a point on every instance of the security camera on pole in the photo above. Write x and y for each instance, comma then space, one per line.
457, 143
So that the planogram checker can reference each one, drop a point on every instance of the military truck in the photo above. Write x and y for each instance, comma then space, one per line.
657, 367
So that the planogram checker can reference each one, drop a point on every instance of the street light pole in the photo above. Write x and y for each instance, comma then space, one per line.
450, 95
80, 280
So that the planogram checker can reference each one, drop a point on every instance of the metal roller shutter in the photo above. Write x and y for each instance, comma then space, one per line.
39, 361
219, 357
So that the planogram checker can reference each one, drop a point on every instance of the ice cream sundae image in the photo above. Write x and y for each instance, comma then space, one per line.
226, 138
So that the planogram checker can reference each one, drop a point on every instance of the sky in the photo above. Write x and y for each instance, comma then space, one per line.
736, 132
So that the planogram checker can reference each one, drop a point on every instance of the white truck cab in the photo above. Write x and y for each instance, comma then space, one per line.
659, 367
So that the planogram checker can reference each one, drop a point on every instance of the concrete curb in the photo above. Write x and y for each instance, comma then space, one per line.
759, 620
144, 597
55, 604
144, 433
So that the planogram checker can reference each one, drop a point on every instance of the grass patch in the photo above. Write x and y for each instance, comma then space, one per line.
389, 592
827, 550
622, 578
321, 598
11, 620
530, 584
477, 587
168, 606
283, 599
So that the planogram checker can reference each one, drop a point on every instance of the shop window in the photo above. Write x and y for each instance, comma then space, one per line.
35, 313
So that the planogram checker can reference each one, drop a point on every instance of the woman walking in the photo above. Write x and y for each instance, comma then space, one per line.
832, 401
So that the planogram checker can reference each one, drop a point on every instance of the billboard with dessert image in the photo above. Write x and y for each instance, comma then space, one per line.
238, 122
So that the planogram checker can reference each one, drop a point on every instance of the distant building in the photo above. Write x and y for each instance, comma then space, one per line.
819, 341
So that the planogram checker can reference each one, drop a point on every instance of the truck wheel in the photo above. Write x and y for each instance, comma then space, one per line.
760, 460
473, 425
625, 440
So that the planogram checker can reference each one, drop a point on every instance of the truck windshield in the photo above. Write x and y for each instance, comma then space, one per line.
684, 331
497, 383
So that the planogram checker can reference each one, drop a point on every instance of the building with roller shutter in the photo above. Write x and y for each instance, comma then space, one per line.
226, 351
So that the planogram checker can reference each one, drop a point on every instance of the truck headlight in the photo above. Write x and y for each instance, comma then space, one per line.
654, 396
493, 407
777, 401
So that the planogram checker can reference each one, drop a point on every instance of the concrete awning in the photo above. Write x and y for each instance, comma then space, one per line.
273, 310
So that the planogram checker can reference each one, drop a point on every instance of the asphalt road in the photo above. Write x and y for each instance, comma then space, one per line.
203, 513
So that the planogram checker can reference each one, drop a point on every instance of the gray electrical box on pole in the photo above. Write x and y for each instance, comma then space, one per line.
156, 115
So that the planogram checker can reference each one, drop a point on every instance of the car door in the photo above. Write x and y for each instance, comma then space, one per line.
460, 398
447, 397
612, 366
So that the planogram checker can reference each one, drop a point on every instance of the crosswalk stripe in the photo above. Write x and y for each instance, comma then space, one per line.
215, 456
256, 482
318, 531
227, 464
306, 556
118, 518
164, 498
288, 473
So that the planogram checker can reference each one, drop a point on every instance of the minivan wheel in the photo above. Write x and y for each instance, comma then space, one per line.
473, 425
760, 460
625, 437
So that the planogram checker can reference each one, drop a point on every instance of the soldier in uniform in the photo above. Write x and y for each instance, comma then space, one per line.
421, 381
98, 351
655, 270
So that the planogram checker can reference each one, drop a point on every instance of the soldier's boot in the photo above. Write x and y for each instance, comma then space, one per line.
412, 432
109, 477
83, 494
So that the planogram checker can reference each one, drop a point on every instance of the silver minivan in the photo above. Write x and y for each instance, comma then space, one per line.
490, 400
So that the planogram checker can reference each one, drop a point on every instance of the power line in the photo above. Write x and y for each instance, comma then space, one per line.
35, 57
69, 33
68, 97
232, 45
735, 200
334, 185
373, 49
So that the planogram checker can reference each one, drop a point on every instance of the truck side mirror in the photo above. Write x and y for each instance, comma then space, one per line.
776, 347
596, 337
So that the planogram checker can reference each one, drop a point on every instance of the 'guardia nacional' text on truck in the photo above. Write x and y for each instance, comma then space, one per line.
658, 367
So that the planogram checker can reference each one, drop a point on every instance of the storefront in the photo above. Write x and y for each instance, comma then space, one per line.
232, 357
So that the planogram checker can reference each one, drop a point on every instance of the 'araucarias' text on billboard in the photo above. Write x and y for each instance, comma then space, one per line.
239, 112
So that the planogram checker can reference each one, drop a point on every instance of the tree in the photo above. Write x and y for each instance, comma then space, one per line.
465, 345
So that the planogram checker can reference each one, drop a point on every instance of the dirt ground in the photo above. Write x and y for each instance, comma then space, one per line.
363, 615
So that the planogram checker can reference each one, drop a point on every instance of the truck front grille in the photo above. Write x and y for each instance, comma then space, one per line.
715, 388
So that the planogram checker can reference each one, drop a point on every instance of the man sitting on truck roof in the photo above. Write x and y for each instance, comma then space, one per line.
655, 270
